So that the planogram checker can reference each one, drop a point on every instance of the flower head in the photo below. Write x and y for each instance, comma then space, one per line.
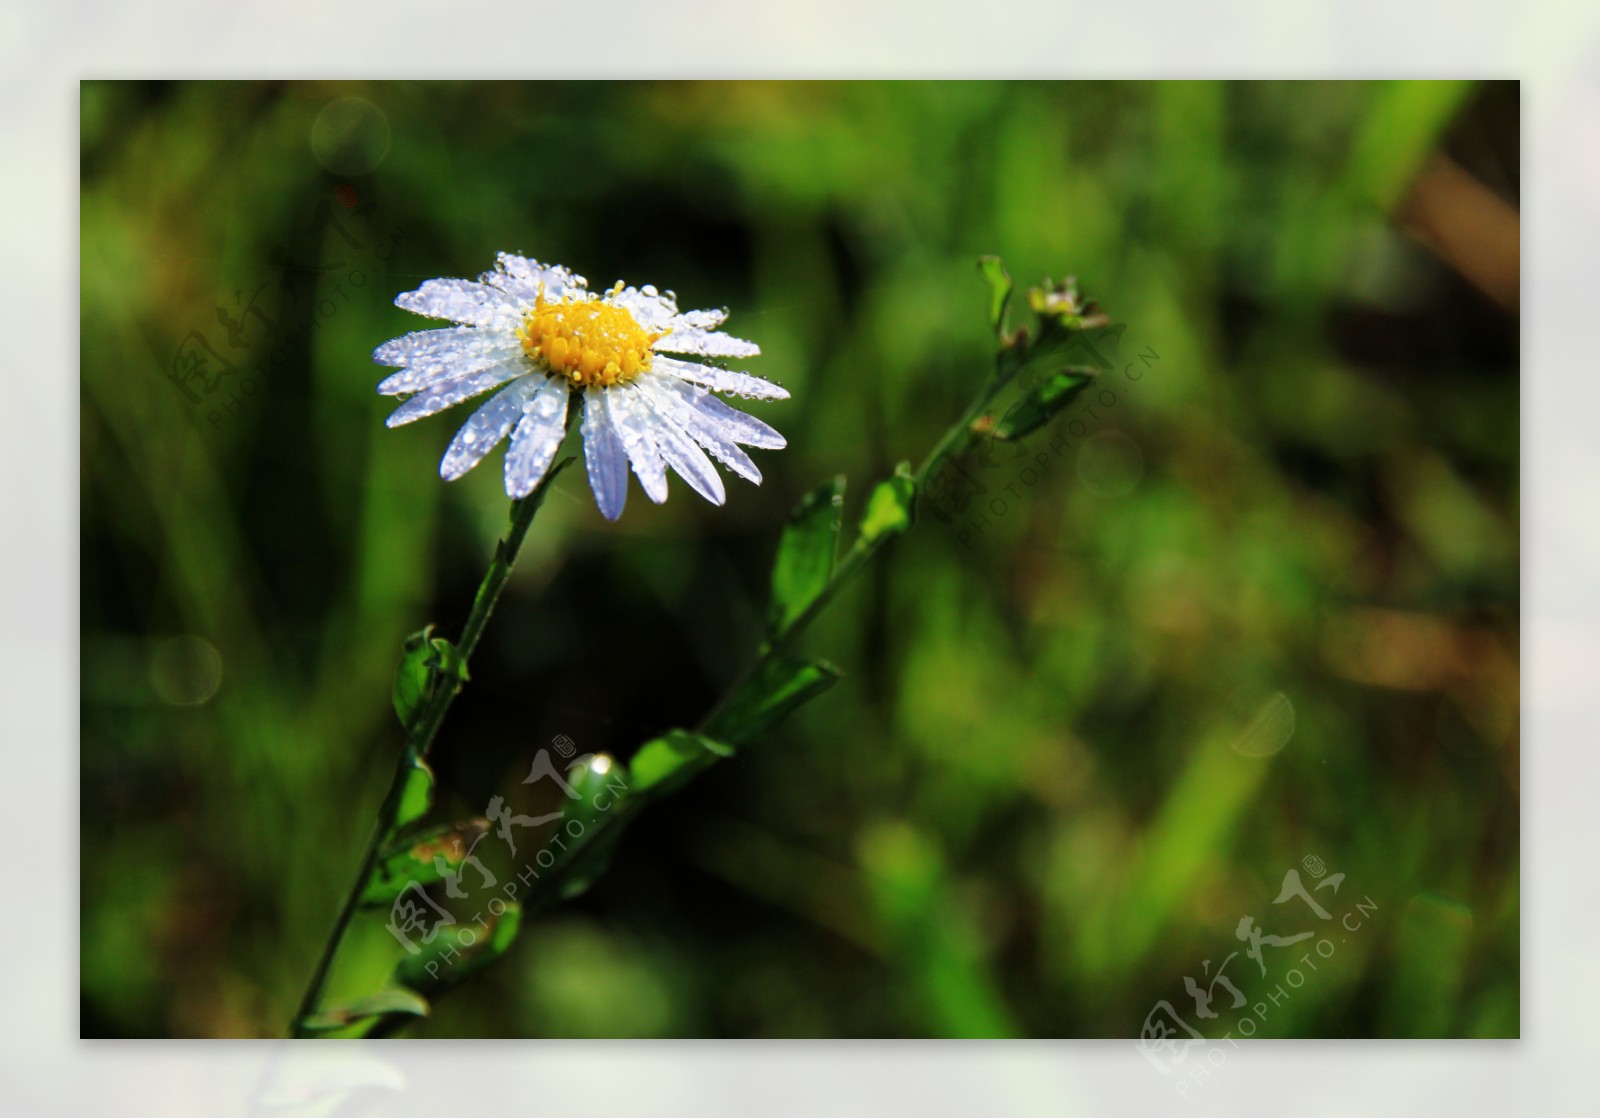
537, 337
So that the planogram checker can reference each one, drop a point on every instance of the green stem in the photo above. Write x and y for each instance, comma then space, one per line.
425, 728
955, 439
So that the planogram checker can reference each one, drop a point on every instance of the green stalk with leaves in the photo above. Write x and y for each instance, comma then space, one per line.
808, 573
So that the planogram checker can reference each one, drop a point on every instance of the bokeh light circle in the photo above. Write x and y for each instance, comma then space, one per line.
350, 136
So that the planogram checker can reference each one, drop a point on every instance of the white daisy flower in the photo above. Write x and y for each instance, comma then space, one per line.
536, 334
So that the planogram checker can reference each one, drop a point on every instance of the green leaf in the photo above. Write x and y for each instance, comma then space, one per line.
423, 660
806, 553
413, 679
390, 1000
1000, 286
459, 949
604, 787
448, 661
423, 858
416, 794
1043, 402
666, 762
892, 506
767, 698
505, 930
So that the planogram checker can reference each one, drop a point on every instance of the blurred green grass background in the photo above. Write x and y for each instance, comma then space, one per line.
1055, 775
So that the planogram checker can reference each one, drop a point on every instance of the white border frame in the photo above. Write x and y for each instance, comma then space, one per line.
45, 1069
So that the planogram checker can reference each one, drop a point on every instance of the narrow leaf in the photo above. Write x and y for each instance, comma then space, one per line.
892, 506
423, 660
448, 661
666, 762
767, 698
390, 1000
413, 679
423, 859
460, 948
806, 553
416, 794
1000, 286
1043, 402
603, 787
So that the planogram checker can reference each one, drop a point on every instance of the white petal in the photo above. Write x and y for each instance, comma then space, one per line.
731, 456
706, 344
631, 418
722, 380
525, 268
447, 394
700, 320
460, 300
650, 308
537, 438
489, 349
429, 345
679, 407
524, 278
685, 456
736, 425
604, 456
486, 427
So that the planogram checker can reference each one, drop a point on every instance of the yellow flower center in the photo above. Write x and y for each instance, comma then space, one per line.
587, 341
